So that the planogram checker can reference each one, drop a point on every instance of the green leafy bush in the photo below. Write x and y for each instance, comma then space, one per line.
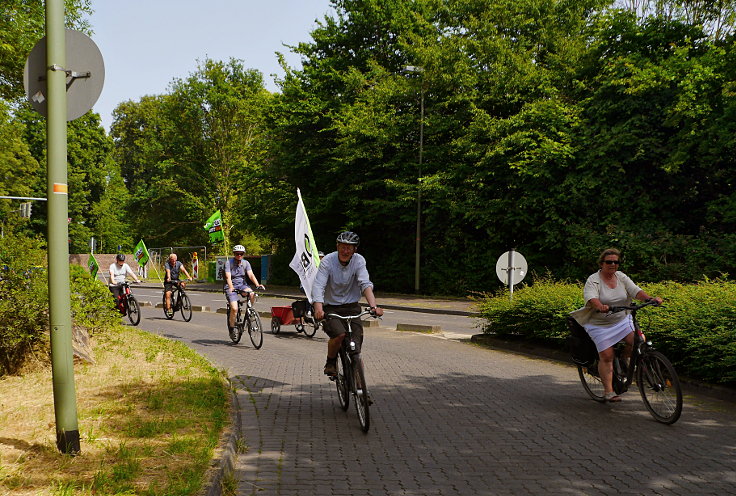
23, 301
696, 327
91, 302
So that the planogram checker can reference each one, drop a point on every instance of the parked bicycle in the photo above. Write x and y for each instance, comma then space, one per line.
179, 302
246, 319
350, 377
128, 305
655, 376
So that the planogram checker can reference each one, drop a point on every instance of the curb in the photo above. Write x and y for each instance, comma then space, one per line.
224, 465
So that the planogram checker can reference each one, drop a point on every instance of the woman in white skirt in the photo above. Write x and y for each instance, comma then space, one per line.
608, 288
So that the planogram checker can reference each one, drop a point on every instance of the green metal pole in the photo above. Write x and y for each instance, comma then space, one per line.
62, 358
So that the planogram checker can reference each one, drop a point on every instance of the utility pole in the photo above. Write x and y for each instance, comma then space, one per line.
62, 358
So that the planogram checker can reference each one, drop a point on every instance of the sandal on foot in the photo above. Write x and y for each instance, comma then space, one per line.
612, 397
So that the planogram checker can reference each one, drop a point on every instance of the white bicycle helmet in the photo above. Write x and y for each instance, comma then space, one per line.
237, 248
349, 238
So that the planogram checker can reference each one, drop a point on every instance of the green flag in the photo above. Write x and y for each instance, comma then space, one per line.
214, 227
141, 253
93, 266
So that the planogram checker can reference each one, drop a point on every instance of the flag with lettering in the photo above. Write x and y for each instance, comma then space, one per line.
141, 253
306, 259
93, 266
214, 227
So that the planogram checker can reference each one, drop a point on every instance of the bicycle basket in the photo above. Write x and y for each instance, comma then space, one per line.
582, 349
300, 308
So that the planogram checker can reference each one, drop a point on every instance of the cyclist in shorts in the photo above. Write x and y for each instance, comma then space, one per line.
172, 268
341, 280
237, 273
118, 270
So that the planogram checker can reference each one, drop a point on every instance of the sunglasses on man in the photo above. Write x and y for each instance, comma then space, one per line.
611, 262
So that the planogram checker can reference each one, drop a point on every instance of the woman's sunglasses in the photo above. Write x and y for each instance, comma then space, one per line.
611, 262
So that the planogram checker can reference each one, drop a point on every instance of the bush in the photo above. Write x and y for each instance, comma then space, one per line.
696, 328
23, 301
91, 302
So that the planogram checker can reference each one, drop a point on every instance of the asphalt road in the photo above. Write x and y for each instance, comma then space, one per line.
450, 419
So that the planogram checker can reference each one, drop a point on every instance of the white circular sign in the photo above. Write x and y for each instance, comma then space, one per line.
513, 263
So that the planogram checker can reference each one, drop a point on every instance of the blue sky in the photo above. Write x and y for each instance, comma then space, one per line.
147, 43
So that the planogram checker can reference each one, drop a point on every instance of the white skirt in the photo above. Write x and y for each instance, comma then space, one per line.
606, 336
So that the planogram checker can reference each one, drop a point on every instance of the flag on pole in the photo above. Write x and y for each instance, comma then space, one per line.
141, 253
306, 259
214, 227
93, 266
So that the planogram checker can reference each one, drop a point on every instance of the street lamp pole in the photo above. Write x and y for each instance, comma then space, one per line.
418, 244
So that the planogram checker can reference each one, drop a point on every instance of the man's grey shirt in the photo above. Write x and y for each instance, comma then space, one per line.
336, 284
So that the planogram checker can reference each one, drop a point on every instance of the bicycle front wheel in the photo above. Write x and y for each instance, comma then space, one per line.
134, 311
255, 329
592, 382
659, 387
186, 307
342, 380
362, 398
170, 312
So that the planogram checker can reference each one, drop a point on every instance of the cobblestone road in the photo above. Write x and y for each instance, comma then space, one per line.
453, 419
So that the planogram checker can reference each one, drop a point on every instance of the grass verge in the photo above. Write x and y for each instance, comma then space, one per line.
150, 415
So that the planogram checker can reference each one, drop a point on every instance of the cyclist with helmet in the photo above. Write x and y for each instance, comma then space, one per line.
341, 280
118, 270
237, 273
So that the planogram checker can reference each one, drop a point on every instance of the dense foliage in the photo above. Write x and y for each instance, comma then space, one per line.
24, 319
695, 328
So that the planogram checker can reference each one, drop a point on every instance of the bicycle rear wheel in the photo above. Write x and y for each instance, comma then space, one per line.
362, 399
592, 382
311, 326
170, 312
342, 380
134, 311
255, 329
659, 387
186, 307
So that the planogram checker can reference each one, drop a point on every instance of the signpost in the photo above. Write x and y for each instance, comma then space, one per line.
61, 89
511, 268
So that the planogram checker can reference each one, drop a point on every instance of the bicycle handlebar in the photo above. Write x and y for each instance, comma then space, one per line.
634, 307
367, 311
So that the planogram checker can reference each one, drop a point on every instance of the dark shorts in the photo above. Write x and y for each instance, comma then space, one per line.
170, 286
336, 327
233, 295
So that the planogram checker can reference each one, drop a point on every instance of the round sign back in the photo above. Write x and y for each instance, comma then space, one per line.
511, 260
85, 75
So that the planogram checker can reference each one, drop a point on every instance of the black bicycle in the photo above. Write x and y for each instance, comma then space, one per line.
246, 319
350, 377
655, 376
179, 302
128, 305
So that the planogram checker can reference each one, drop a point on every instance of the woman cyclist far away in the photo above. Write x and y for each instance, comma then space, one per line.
118, 270
341, 280
172, 268
608, 288
237, 273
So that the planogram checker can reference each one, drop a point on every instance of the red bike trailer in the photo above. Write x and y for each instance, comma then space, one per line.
294, 314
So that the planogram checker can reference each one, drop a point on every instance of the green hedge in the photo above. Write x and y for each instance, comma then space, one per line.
24, 302
696, 327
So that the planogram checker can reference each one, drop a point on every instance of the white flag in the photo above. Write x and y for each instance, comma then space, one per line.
306, 259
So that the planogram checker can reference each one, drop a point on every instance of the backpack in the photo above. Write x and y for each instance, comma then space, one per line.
582, 348
300, 308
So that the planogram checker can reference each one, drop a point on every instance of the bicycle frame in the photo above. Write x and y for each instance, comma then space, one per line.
639, 347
